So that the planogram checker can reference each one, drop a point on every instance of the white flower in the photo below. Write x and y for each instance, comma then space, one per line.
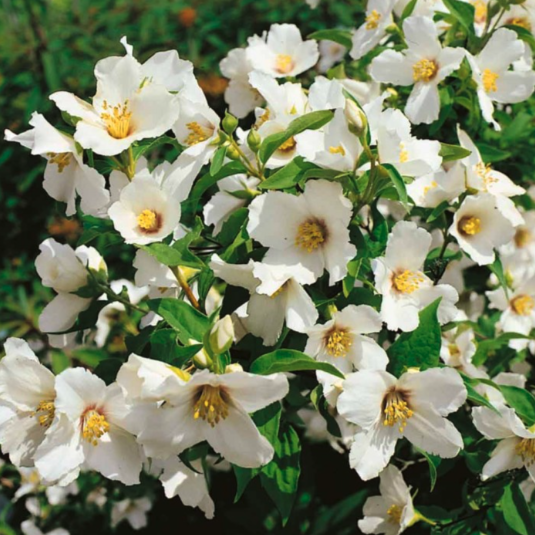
281, 51
276, 297
387, 409
29, 528
400, 279
133, 511
125, 108
310, 229
213, 408
330, 54
479, 226
392, 512
65, 174
495, 82
340, 341
27, 402
516, 448
223, 204
88, 430
369, 35
457, 350
425, 64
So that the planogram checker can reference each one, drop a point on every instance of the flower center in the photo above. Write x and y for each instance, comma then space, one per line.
489, 80
94, 426
212, 405
484, 171
310, 235
403, 153
523, 305
372, 20
281, 289
469, 225
394, 514
408, 281
424, 70
338, 342
523, 237
396, 410
61, 159
454, 350
284, 63
480, 8
337, 150
148, 221
431, 186
45, 413
288, 145
117, 119
198, 134
526, 449
520, 21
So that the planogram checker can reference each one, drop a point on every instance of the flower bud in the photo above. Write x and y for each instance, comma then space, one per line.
232, 153
356, 119
221, 335
231, 368
202, 359
230, 123
254, 140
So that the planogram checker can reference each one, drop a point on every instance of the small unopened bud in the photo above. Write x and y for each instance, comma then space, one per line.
202, 359
231, 368
230, 123
221, 335
232, 153
254, 140
356, 119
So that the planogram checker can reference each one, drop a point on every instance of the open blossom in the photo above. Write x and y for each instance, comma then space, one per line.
388, 409
133, 511
28, 527
310, 229
479, 227
392, 512
88, 430
341, 341
457, 350
495, 82
516, 446
281, 51
400, 279
66, 175
424, 64
27, 396
330, 54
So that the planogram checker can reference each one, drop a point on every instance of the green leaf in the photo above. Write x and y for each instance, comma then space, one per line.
309, 121
453, 152
419, 348
497, 268
60, 361
398, 182
407, 12
336, 518
342, 37
288, 176
107, 370
320, 404
433, 462
486, 347
289, 360
173, 255
463, 12
491, 153
147, 145
89, 356
474, 396
217, 161
164, 347
516, 512
438, 211
280, 477
522, 401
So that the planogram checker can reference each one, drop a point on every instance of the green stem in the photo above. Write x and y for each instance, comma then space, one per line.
185, 286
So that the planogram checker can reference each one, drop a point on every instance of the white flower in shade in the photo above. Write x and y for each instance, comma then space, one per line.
480, 226
333, 148
281, 51
519, 254
495, 82
276, 297
494, 395
425, 64
396, 146
29, 528
341, 341
370, 34
133, 511
310, 230
125, 108
27, 407
387, 409
325, 94
223, 204
400, 279
240, 96
88, 430
392, 512
66, 174
480, 15
213, 408
516, 448
518, 310
330, 54
457, 350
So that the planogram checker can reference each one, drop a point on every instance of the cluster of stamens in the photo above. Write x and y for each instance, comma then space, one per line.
45, 413
117, 119
403, 153
337, 150
94, 426
484, 171
469, 225
287, 145
61, 159
284, 63
408, 281
197, 134
523, 305
372, 20
148, 221
424, 70
489, 80
480, 10
310, 235
394, 514
523, 237
523, 22
526, 449
338, 342
211, 406
396, 410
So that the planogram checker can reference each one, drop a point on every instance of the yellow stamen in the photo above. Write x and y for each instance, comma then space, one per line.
310, 235
408, 281
212, 405
424, 70
262, 119
431, 186
403, 153
484, 171
284, 63
480, 8
277, 292
523, 237
396, 410
526, 449
198, 133
61, 159
94, 426
148, 220
454, 350
288, 145
117, 120
489, 80
523, 305
524, 22
372, 20
337, 150
469, 226
45, 413
338, 342
394, 514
